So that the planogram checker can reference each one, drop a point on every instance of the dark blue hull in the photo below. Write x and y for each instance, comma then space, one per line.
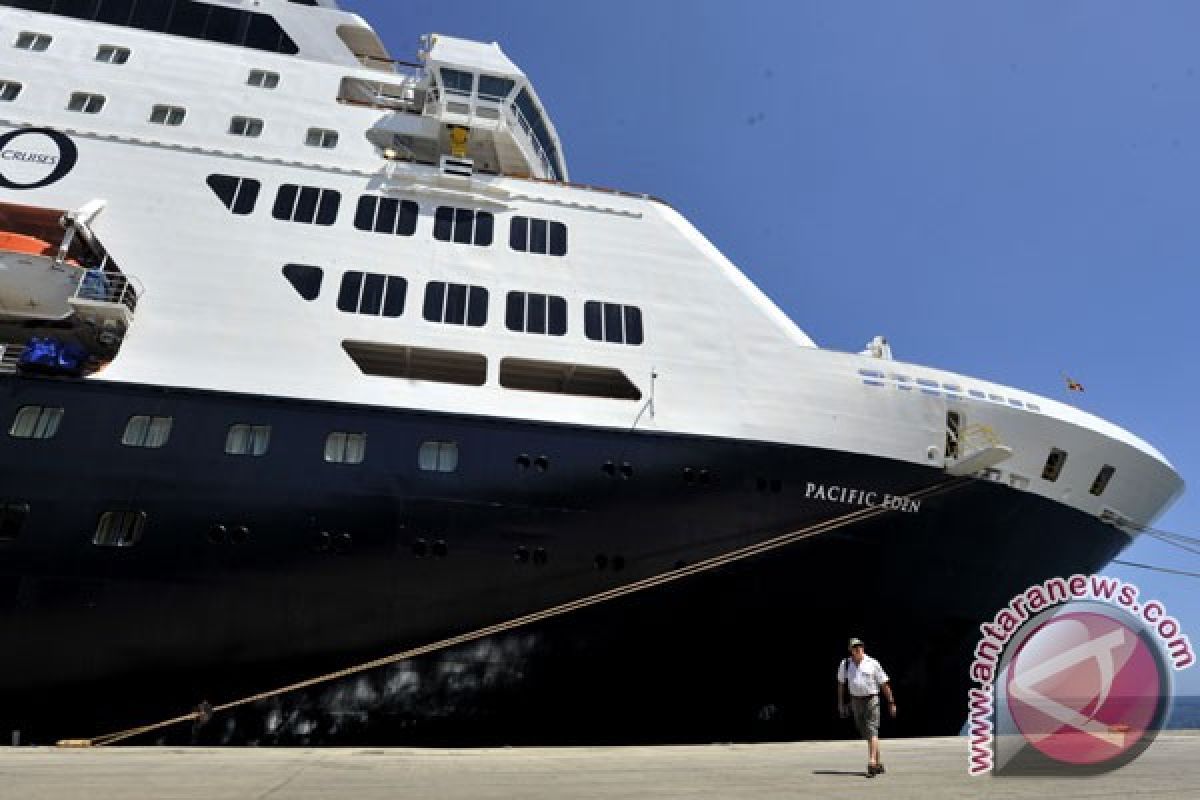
341, 563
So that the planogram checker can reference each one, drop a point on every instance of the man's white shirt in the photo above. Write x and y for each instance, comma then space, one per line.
862, 679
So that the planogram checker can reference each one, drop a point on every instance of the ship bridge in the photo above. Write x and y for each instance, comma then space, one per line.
465, 104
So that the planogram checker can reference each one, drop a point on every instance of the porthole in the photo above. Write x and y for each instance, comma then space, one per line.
626, 470
217, 534
343, 542
689, 476
521, 555
439, 549
239, 535
541, 463
601, 561
322, 542
420, 548
540, 557
523, 461
618, 563
609, 469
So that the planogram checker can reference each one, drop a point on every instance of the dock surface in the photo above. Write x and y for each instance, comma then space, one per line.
919, 768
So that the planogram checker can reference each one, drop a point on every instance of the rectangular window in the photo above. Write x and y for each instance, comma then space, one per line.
307, 204
119, 528
238, 194
954, 425
612, 322
28, 40
463, 225
167, 115
111, 54
321, 137
1102, 478
248, 440
536, 313
493, 88
147, 431
456, 304
438, 456
345, 448
86, 102
538, 236
386, 215
372, 293
456, 81
1054, 464
12, 520
246, 126
263, 79
9, 91
36, 422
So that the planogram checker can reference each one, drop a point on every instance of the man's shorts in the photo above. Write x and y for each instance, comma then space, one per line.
866, 715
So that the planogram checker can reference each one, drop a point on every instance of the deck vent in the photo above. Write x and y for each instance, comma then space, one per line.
418, 363
457, 167
561, 378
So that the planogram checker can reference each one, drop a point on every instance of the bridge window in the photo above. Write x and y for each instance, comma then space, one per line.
322, 138
456, 81
36, 422
438, 456
262, 79
456, 304
307, 204
345, 448
536, 313
37, 42
119, 528
304, 279
9, 91
147, 431
372, 293
386, 215
248, 440
538, 236
186, 18
86, 102
493, 88
238, 194
612, 322
111, 54
463, 225
249, 127
168, 115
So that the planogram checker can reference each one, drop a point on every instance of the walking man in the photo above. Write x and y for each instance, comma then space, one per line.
865, 678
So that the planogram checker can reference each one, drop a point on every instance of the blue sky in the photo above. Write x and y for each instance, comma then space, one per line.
1010, 190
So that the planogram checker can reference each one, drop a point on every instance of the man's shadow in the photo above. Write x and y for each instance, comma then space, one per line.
849, 773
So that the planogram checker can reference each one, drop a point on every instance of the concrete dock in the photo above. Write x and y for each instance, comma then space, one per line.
920, 768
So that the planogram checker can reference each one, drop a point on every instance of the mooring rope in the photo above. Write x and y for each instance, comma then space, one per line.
625, 590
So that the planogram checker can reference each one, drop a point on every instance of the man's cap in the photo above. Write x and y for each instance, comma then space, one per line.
855, 642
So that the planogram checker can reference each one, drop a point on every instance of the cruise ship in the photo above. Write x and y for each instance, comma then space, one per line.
311, 355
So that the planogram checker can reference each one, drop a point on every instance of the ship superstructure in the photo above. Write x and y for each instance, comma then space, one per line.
334, 359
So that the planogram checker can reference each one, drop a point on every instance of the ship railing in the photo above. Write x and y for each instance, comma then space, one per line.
100, 287
385, 95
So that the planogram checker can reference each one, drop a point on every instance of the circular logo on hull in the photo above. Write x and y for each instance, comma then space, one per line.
1087, 689
35, 157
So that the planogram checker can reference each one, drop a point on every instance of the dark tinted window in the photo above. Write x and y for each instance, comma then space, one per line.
386, 215
304, 279
306, 204
188, 18
536, 313
456, 304
372, 293
538, 236
463, 225
612, 322
238, 194
12, 520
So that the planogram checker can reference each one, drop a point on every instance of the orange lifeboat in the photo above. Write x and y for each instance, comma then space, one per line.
20, 243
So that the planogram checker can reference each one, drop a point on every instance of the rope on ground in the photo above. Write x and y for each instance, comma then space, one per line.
680, 573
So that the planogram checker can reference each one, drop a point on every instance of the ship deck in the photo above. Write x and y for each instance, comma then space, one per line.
924, 768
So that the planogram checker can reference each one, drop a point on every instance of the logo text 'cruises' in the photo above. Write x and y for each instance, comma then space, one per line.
1074, 675
35, 157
